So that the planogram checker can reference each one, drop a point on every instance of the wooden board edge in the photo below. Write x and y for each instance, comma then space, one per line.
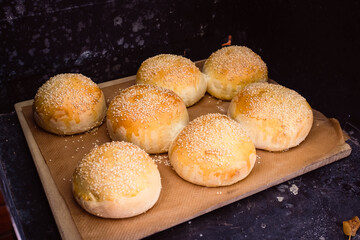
57, 204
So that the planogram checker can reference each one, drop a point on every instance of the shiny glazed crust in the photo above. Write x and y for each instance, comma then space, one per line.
231, 68
148, 116
116, 180
69, 104
212, 150
274, 117
176, 73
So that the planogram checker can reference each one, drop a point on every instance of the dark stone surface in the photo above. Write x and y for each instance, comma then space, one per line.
309, 46
325, 197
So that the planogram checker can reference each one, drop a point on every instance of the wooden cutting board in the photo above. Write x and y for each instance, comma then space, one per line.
56, 157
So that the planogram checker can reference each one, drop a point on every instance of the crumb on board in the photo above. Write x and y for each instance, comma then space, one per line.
161, 159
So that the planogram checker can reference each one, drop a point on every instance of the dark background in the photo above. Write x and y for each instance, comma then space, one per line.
309, 46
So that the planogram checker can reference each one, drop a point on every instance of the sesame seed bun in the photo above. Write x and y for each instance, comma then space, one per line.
274, 117
116, 180
212, 150
147, 115
68, 104
176, 73
231, 68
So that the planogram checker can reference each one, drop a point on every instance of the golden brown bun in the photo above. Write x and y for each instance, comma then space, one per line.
68, 104
212, 150
231, 68
176, 73
275, 118
147, 115
116, 180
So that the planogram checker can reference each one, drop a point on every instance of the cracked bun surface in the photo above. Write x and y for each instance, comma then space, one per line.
276, 118
176, 73
212, 150
229, 69
68, 104
148, 116
116, 180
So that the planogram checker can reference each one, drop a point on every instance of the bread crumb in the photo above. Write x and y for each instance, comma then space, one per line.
294, 189
351, 226
280, 199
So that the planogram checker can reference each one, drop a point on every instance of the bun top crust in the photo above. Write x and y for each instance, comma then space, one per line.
169, 71
145, 106
112, 171
235, 66
272, 101
66, 96
212, 150
176, 73
275, 117
213, 133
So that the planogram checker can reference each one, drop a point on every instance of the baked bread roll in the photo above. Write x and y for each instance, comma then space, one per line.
69, 103
176, 73
147, 115
231, 68
274, 117
212, 150
116, 180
